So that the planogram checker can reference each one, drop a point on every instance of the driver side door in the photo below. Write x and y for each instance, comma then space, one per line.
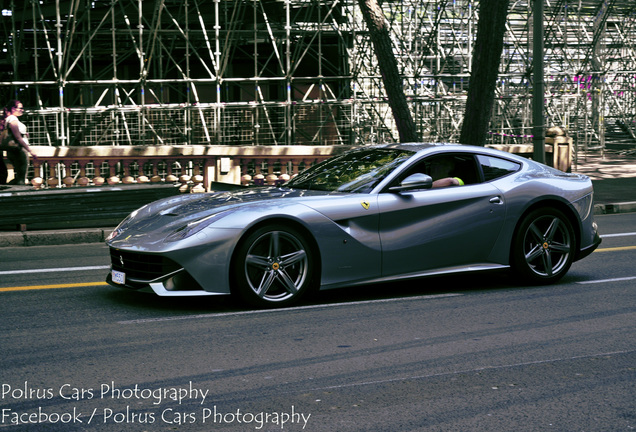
421, 230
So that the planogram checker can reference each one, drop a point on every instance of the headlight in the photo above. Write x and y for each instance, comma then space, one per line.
194, 227
584, 206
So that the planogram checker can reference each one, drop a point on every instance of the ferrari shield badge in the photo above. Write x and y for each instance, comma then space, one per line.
365, 205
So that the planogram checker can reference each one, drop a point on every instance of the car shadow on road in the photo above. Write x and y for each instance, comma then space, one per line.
148, 303
417, 287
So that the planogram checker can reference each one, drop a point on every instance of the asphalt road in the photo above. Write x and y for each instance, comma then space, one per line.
463, 353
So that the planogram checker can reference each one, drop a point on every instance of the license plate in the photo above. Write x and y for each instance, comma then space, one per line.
118, 277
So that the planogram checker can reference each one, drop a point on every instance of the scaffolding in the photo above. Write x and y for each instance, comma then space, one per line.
290, 72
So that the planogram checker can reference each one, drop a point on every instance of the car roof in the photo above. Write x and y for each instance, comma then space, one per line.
451, 147
414, 146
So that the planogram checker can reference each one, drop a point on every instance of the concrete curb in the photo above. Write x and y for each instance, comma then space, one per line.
52, 238
625, 207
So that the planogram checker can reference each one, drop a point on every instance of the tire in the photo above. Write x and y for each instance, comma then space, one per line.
274, 266
543, 247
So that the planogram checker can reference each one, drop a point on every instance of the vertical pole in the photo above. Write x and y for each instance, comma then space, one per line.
538, 128
12, 50
189, 83
62, 131
36, 72
218, 74
141, 127
115, 114
256, 86
288, 77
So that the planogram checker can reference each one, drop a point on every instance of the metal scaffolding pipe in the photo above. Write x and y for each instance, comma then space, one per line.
538, 92
304, 72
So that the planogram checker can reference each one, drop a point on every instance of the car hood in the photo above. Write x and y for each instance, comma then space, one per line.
163, 217
202, 205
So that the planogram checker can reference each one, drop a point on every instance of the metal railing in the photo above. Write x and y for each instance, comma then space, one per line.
198, 166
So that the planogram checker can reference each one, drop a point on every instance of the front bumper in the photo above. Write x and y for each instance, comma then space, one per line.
588, 250
164, 288
147, 272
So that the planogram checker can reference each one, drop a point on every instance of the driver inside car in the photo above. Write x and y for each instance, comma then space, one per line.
441, 171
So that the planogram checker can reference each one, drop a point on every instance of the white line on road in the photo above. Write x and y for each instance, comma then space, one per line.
261, 311
608, 280
619, 235
477, 369
53, 270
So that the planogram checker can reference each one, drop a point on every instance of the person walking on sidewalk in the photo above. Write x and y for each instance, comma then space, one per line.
15, 141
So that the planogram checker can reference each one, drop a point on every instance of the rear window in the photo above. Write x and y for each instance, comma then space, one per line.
494, 167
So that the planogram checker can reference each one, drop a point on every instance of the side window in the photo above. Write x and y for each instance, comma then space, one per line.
494, 167
458, 165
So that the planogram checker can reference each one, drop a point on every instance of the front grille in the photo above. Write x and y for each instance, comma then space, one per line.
142, 266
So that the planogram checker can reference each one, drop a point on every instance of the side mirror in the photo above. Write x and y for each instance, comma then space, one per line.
413, 182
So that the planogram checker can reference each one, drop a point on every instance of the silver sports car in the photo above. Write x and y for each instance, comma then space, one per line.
372, 214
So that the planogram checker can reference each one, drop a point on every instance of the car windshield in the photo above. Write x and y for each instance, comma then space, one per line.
355, 171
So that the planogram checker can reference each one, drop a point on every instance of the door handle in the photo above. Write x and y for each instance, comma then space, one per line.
496, 200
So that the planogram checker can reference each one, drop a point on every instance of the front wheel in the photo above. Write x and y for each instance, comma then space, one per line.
274, 266
543, 246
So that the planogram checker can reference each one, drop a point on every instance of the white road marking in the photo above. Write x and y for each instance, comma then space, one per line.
618, 235
607, 280
473, 370
53, 270
262, 311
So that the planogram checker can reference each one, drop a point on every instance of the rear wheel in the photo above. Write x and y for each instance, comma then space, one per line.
274, 266
543, 246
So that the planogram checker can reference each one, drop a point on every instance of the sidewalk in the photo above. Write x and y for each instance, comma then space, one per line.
613, 176
614, 179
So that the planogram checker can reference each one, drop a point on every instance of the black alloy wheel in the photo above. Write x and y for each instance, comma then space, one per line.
274, 266
543, 246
